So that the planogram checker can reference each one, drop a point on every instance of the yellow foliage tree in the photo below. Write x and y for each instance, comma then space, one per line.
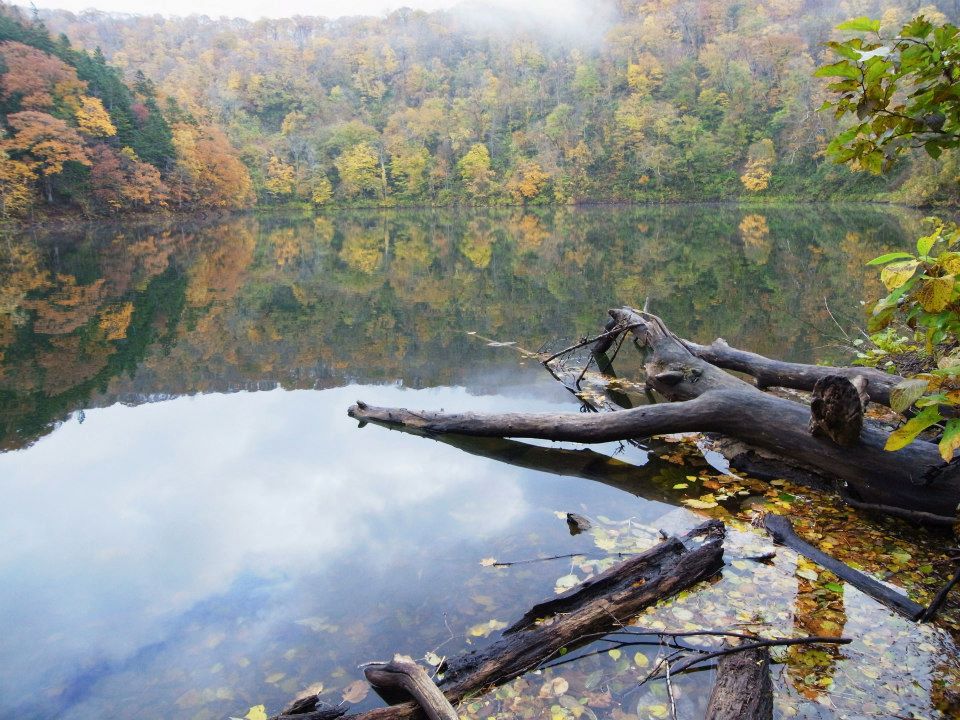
16, 186
359, 168
93, 119
475, 169
756, 176
280, 177
528, 181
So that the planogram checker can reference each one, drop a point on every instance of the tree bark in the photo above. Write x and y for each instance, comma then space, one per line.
914, 478
743, 689
797, 376
584, 614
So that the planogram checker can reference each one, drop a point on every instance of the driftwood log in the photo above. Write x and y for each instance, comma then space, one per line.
914, 482
743, 689
404, 674
782, 532
581, 615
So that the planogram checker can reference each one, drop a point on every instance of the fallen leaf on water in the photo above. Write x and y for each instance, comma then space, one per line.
355, 691
257, 712
433, 659
565, 583
494, 343
275, 678
484, 629
488, 562
700, 504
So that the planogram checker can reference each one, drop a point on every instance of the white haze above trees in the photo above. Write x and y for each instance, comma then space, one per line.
566, 16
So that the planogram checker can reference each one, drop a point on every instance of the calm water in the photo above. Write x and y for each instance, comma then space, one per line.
190, 523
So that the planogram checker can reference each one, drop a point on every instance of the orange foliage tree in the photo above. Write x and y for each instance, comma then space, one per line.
45, 143
208, 173
36, 79
121, 181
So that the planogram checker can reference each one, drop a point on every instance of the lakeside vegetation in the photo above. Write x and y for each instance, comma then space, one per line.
652, 102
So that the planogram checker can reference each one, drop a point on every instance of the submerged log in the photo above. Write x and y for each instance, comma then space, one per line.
712, 400
743, 689
595, 608
782, 532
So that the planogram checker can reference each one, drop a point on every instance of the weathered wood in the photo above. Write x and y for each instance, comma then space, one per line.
836, 409
914, 478
775, 373
782, 532
591, 610
403, 673
743, 689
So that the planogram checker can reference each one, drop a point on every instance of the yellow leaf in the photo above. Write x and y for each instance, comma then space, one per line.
615, 654
257, 712
700, 504
935, 293
896, 274
356, 691
640, 660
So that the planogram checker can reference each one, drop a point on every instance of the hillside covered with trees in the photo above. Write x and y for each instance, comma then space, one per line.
656, 100
78, 137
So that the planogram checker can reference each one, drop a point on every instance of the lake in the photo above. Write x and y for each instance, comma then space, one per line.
192, 526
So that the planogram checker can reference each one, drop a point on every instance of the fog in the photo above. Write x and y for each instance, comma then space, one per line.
556, 14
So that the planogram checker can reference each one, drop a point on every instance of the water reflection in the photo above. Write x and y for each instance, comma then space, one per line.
137, 312
178, 545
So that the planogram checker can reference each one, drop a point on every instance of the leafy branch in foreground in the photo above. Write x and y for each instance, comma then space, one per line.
900, 90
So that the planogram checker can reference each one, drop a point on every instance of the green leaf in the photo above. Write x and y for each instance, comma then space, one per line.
834, 587
906, 393
950, 440
891, 256
933, 149
257, 712
843, 49
842, 68
907, 433
860, 24
895, 275
925, 243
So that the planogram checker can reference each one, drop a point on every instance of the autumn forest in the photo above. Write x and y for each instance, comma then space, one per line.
659, 101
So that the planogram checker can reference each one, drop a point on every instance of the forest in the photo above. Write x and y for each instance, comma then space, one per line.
661, 101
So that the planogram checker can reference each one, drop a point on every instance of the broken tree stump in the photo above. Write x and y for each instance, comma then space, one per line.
743, 689
404, 674
836, 409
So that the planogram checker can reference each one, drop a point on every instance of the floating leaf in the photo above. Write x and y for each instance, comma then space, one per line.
484, 629
257, 712
641, 660
615, 654
433, 659
565, 583
355, 691
488, 562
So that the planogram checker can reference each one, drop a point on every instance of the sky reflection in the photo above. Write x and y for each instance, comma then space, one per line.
149, 514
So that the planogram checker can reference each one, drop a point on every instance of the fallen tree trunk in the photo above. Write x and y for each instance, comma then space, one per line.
782, 532
595, 608
912, 479
743, 689
797, 376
